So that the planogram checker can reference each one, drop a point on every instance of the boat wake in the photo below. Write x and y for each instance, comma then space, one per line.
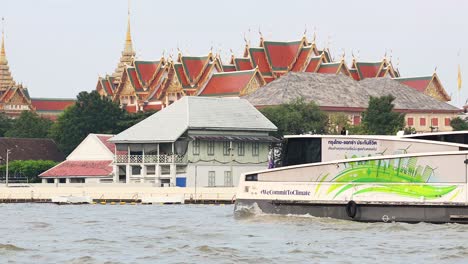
247, 210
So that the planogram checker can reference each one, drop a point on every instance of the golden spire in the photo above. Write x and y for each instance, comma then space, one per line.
3, 59
6, 81
128, 39
128, 54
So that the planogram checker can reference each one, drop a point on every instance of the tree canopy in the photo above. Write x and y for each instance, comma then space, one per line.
29, 125
380, 119
6, 124
297, 117
27, 168
458, 124
90, 114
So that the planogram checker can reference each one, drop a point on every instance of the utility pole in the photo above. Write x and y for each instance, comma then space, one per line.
6, 175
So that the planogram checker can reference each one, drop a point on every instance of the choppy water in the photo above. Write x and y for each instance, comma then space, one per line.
47, 233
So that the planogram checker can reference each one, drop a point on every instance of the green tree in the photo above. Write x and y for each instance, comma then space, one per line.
380, 119
90, 114
28, 168
458, 124
6, 124
29, 125
297, 117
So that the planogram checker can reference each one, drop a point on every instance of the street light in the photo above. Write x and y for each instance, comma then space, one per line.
6, 178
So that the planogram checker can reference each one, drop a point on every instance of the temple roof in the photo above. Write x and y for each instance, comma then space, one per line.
194, 66
259, 59
243, 64
368, 69
301, 61
422, 83
228, 83
282, 55
51, 104
342, 93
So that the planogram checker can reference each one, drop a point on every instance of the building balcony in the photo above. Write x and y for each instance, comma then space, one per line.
150, 159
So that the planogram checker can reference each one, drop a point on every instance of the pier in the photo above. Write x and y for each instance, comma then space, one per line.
114, 193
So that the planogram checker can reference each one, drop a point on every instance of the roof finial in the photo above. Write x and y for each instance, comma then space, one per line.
305, 30
314, 37
435, 69
128, 39
261, 36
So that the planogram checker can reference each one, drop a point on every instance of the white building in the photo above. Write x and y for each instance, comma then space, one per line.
196, 141
90, 162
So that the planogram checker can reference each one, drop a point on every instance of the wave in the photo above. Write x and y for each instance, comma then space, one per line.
11, 247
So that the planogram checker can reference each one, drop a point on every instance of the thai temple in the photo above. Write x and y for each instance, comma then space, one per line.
14, 97
139, 85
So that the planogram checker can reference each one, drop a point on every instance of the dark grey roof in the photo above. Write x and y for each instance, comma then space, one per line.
29, 149
333, 90
192, 112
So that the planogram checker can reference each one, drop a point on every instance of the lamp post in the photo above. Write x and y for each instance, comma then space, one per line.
6, 173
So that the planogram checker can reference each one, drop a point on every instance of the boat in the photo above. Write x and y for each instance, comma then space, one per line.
363, 178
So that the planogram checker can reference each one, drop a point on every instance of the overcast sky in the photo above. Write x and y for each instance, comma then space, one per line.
59, 47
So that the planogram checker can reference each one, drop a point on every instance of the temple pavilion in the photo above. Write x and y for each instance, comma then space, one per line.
139, 85
14, 97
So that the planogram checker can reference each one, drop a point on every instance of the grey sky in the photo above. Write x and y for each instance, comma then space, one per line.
59, 47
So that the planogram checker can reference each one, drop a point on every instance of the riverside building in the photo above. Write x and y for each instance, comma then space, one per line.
196, 141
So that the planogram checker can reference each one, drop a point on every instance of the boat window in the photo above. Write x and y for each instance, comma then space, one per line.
451, 138
302, 150
251, 177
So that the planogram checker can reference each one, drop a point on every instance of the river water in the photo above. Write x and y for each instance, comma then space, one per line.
48, 233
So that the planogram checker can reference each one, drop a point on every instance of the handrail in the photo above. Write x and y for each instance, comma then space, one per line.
165, 158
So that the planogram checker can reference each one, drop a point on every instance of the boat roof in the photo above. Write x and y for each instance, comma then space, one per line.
379, 137
462, 132
425, 154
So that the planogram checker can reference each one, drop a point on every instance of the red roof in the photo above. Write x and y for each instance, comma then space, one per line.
104, 139
51, 104
329, 67
313, 63
193, 66
71, 168
368, 69
132, 75
9, 93
301, 59
146, 71
181, 75
229, 68
205, 75
108, 86
281, 55
259, 59
228, 83
418, 83
269, 79
131, 108
354, 74
243, 64
150, 107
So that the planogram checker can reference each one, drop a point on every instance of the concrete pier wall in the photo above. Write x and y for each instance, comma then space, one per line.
113, 192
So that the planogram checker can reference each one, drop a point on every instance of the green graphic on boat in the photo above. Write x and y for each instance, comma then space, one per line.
384, 173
